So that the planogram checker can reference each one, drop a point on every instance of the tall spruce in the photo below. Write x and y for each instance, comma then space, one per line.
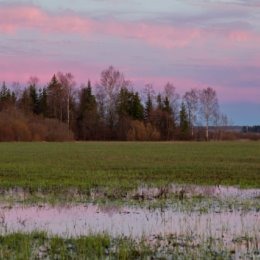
34, 100
148, 110
6, 96
137, 107
43, 106
184, 122
87, 117
55, 99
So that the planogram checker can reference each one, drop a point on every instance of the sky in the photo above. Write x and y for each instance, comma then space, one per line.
191, 43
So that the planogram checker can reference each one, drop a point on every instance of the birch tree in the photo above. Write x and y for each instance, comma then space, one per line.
107, 91
208, 107
67, 83
191, 99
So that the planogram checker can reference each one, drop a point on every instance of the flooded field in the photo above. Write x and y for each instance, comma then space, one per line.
182, 191
177, 224
127, 221
130, 201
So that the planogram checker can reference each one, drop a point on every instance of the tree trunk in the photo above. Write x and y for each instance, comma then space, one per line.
192, 125
68, 110
207, 130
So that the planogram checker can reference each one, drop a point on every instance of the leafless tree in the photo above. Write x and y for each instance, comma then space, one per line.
16, 87
191, 99
208, 107
148, 91
221, 123
173, 97
107, 90
67, 83
33, 81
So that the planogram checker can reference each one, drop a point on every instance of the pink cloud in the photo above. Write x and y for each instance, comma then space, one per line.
225, 93
13, 70
15, 18
242, 36
19, 18
157, 35
29, 17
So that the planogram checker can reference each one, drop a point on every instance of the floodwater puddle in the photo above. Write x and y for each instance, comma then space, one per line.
142, 193
127, 221
221, 192
235, 229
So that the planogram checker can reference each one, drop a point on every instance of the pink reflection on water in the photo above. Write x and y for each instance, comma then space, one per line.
221, 192
127, 221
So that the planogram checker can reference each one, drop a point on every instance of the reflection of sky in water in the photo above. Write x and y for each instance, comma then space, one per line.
223, 224
81, 220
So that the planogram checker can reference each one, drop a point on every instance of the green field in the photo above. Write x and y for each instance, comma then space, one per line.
69, 173
123, 166
21, 246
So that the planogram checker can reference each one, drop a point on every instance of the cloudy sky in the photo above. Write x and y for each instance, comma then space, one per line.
192, 43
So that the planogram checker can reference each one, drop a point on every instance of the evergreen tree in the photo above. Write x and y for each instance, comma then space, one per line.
148, 110
29, 100
24, 101
55, 99
137, 107
129, 105
6, 97
42, 96
87, 101
184, 122
33, 99
166, 105
159, 102
124, 103
87, 119
4, 92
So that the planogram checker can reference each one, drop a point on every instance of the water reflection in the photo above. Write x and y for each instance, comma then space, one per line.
129, 221
223, 192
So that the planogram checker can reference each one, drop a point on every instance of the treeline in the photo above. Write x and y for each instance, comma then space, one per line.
111, 110
251, 129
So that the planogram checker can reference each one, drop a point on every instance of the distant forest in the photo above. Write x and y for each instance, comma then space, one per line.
111, 110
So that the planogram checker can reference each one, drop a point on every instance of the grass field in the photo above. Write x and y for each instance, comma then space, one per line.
53, 172
37, 245
124, 166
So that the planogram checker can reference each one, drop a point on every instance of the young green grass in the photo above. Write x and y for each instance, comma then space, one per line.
122, 166
35, 245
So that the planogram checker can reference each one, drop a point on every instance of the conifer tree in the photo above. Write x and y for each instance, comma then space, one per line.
148, 110
184, 122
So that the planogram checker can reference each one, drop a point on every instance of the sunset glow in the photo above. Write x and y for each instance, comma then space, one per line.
190, 43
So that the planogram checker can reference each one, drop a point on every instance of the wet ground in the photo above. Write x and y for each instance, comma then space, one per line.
128, 221
182, 191
229, 227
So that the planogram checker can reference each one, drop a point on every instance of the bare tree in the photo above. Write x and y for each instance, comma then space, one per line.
221, 123
107, 91
171, 94
67, 83
149, 91
208, 107
33, 81
191, 99
16, 87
